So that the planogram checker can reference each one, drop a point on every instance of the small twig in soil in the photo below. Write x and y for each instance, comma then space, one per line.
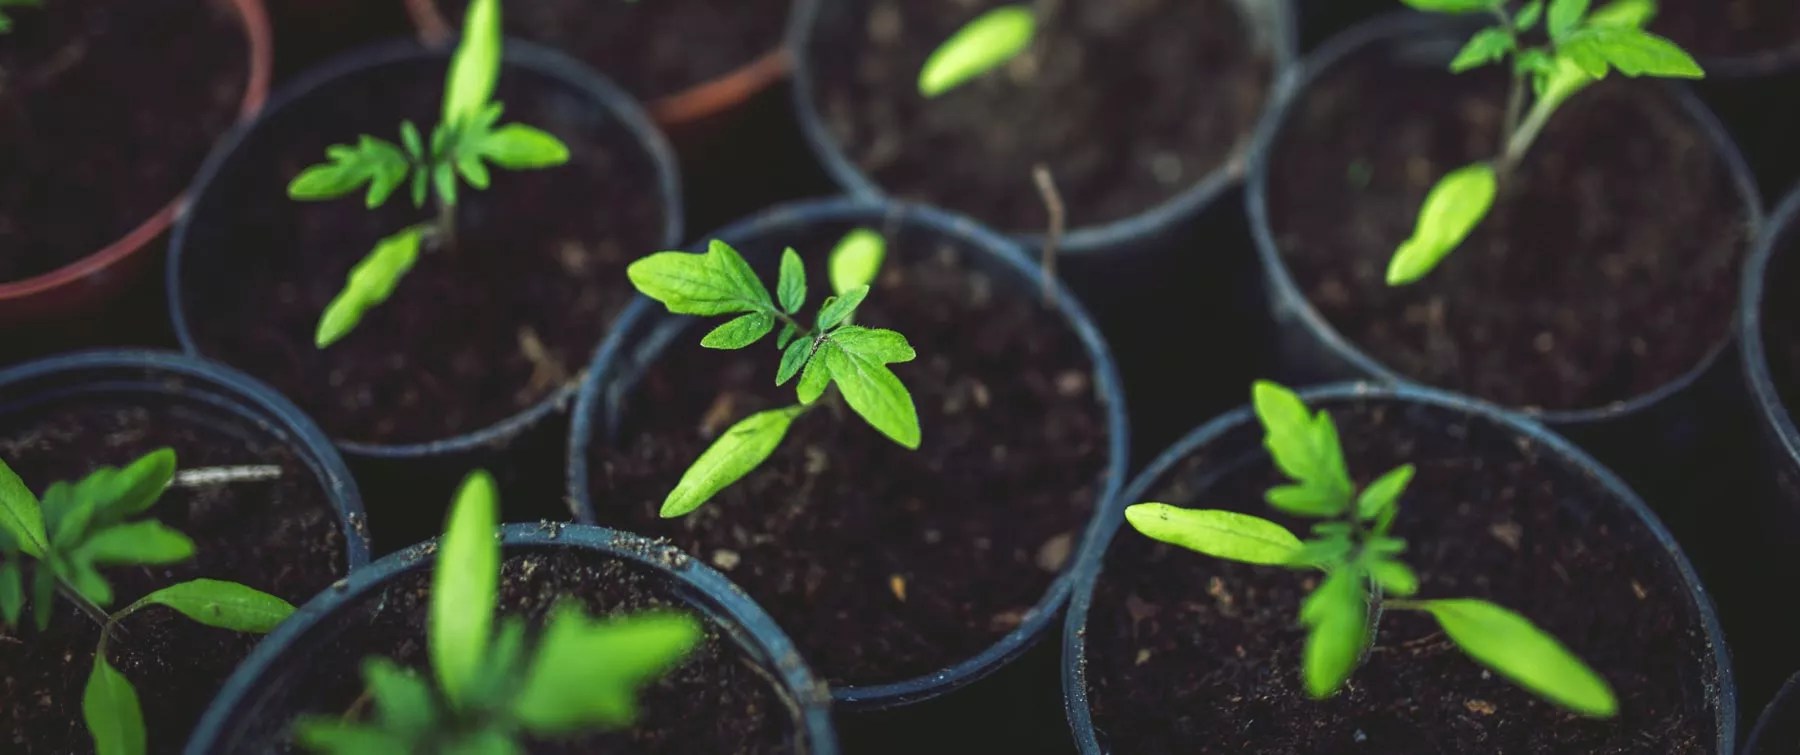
208, 476
1046, 186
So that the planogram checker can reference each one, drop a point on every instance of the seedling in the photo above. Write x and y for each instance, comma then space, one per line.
833, 351
991, 40
487, 689
6, 22
462, 144
78, 527
1361, 563
1581, 49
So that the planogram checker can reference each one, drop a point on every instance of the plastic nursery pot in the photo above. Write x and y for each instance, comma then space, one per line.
1766, 334
1777, 730
902, 575
1615, 341
309, 665
973, 150
77, 284
724, 54
1165, 650
62, 417
478, 345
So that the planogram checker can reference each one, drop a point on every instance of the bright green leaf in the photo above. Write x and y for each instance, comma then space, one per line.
587, 673
517, 146
1304, 447
792, 359
84, 579
415, 146
43, 593
814, 379
20, 514
1487, 46
403, 700
837, 309
986, 43
12, 593
791, 289
857, 359
226, 605
1452, 6
148, 542
373, 161
1301, 500
331, 735
1633, 52
105, 496
1511, 645
1396, 578
1220, 534
1337, 615
1633, 13
786, 336
489, 741
109, 707
740, 331
715, 283
139, 485
370, 283
856, 260
1529, 16
465, 585
1564, 16
1383, 493
739, 450
476, 64
1452, 209
443, 178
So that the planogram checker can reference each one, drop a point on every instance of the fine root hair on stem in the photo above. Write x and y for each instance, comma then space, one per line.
1053, 205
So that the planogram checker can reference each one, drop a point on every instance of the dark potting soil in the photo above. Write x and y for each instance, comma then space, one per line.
280, 537
1729, 27
652, 49
1194, 655
883, 563
474, 333
107, 108
1127, 104
718, 700
1607, 267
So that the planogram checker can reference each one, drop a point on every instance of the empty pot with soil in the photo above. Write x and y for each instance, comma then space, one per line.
1167, 650
108, 109
743, 688
486, 336
291, 536
901, 574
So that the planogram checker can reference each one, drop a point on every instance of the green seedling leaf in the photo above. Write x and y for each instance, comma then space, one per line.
138, 486
402, 699
1487, 46
857, 360
786, 336
1632, 51
516, 146
1632, 13
1528, 16
1337, 615
226, 605
1511, 645
793, 358
792, 286
464, 586
740, 331
476, 64
12, 593
105, 496
837, 309
1564, 16
856, 260
146, 543
986, 43
21, 516
1396, 579
370, 283
1451, 6
109, 706
1301, 500
815, 377
1452, 209
372, 161
1305, 448
1384, 493
715, 283
587, 673
334, 736
1220, 534
43, 591
739, 450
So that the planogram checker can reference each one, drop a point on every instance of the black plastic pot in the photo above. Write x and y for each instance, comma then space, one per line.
1781, 436
1777, 730
614, 373
1233, 440
212, 393
252, 711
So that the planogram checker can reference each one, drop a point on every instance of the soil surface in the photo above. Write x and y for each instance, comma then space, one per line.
476, 332
652, 49
107, 107
1128, 103
1729, 27
1606, 269
882, 563
280, 537
719, 700
1195, 655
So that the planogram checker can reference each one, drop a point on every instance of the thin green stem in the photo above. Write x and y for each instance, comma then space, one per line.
446, 223
1528, 131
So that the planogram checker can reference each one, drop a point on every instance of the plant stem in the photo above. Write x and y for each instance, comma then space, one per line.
1515, 106
1053, 203
446, 224
1521, 139
87, 606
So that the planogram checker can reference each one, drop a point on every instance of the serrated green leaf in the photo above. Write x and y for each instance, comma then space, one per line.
738, 451
1384, 493
369, 284
1337, 616
1451, 6
12, 593
1220, 534
373, 161
858, 364
147, 543
1396, 578
333, 736
109, 707
985, 43
1633, 13
517, 146
791, 288
740, 331
476, 64
1511, 645
715, 283
464, 586
1565, 16
1487, 46
856, 260
402, 699
1632, 51
839, 308
106, 496
814, 379
21, 516
587, 673
225, 605
1303, 446
1452, 210
1528, 16
792, 359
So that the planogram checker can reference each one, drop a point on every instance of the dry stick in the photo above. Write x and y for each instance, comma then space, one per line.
1053, 203
196, 478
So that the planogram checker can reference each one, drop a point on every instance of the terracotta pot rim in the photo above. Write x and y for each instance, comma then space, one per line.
255, 19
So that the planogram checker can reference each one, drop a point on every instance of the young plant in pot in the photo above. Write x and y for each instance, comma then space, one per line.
95, 169
911, 528
543, 640
1583, 629
126, 572
467, 323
